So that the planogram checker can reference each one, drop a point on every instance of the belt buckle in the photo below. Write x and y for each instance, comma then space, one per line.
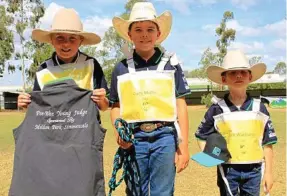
148, 127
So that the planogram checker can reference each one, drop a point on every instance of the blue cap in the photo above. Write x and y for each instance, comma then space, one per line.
215, 151
206, 160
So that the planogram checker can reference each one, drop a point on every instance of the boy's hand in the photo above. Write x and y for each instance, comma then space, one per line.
99, 95
181, 159
122, 143
24, 99
267, 182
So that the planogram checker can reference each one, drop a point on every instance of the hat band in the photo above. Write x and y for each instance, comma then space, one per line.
76, 31
238, 68
144, 18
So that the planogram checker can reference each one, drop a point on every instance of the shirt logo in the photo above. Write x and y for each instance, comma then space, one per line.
271, 134
216, 151
270, 125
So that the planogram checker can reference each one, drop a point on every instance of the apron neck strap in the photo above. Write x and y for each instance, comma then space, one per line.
256, 105
223, 106
164, 59
131, 65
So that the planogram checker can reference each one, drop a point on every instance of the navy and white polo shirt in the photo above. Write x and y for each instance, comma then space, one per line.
121, 68
206, 126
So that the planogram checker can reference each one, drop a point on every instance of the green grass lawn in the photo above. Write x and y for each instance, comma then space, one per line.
194, 181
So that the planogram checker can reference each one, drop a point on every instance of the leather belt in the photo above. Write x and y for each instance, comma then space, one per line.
149, 127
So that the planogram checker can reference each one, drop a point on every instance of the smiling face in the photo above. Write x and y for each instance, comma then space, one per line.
237, 78
144, 34
66, 45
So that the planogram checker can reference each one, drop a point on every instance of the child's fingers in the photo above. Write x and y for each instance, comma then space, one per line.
176, 158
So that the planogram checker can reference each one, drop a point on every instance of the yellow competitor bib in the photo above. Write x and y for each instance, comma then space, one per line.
81, 73
147, 96
243, 132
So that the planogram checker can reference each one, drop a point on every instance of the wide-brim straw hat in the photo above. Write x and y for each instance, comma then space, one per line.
66, 21
235, 60
144, 11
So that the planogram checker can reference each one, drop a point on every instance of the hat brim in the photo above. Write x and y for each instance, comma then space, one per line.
164, 21
206, 160
45, 36
214, 72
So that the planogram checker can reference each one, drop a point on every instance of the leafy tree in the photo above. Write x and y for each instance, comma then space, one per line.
39, 52
26, 14
254, 60
280, 68
6, 40
225, 35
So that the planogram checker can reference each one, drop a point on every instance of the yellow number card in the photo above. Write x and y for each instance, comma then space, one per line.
243, 132
147, 96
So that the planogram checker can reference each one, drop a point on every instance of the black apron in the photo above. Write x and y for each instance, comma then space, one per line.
59, 145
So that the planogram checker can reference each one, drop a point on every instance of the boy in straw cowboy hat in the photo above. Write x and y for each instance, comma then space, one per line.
148, 91
66, 36
245, 124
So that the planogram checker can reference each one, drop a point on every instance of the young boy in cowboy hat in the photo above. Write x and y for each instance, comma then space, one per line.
66, 36
156, 151
245, 124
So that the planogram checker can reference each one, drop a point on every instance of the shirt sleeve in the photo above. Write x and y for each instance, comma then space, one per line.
36, 86
181, 84
99, 77
206, 126
269, 136
114, 97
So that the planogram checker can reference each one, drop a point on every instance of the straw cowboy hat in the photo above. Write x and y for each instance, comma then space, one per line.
143, 11
66, 21
235, 60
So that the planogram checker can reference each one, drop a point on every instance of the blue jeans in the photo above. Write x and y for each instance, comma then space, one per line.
243, 179
154, 153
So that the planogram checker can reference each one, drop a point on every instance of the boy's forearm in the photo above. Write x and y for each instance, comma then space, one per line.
115, 113
183, 121
268, 156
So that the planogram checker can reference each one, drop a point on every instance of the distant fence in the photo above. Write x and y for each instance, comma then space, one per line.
8, 101
195, 97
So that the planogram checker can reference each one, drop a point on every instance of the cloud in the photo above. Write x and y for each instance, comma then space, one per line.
93, 23
50, 11
248, 48
183, 6
279, 44
180, 5
244, 4
277, 28
97, 25
3, 3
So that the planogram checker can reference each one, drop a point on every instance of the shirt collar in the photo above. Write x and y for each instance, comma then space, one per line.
245, 106
154, 60
57, 60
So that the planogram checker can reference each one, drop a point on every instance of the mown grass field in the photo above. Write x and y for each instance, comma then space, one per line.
194, 181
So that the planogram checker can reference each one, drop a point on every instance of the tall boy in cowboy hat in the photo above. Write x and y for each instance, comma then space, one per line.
148, 91
245, 124
66, 36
